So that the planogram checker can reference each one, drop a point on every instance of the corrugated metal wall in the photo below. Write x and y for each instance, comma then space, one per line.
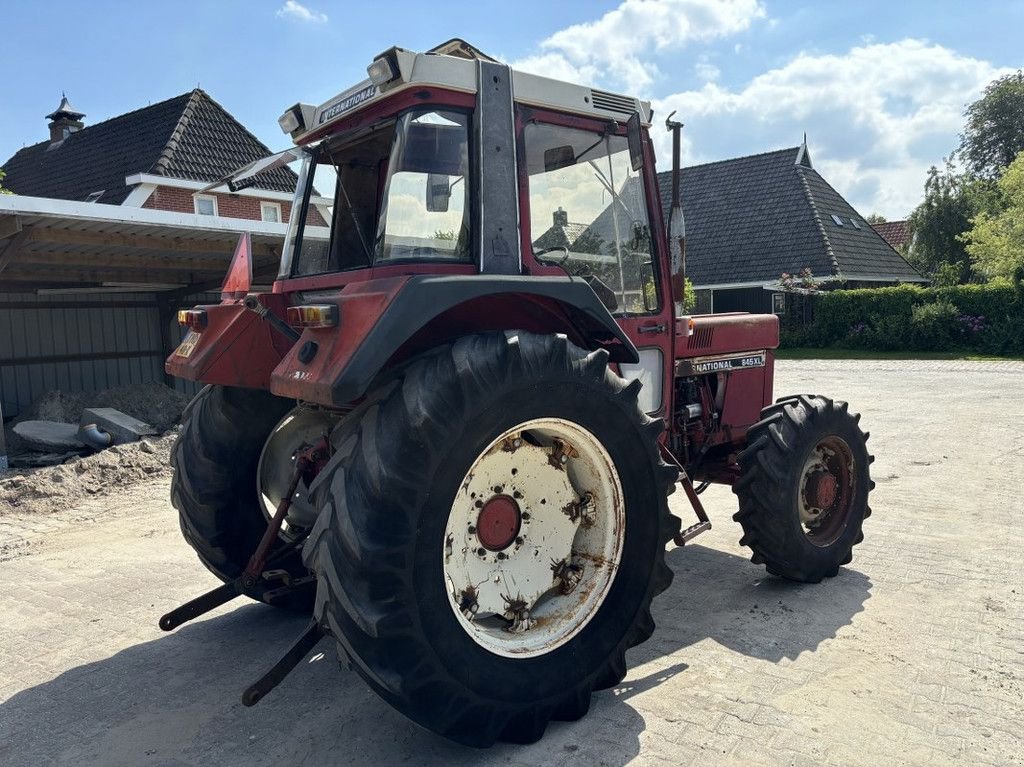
79, 342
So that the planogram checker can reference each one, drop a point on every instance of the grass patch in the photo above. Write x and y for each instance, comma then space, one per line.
867, 354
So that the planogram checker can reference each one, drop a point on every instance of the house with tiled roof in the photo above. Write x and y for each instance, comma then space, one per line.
896, 233
750, 219
161, 157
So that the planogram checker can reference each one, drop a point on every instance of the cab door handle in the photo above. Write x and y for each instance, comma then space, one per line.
651, 329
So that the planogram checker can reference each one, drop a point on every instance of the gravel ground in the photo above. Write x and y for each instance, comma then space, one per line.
914, 655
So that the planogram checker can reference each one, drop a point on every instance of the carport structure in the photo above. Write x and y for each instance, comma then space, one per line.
89, 292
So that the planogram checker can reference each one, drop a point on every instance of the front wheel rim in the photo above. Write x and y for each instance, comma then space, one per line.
534, 538
827, 485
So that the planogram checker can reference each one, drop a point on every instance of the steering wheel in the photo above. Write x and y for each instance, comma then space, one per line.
538, 253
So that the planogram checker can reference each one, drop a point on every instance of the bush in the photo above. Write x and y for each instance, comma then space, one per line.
986, 318
934, 327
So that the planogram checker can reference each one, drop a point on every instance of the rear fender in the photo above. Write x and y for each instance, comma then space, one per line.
236, 348
382, 322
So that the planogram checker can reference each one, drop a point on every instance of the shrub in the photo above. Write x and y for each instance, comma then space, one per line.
988, 318
934, 327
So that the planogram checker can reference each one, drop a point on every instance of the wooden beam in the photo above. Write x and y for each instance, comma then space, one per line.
13, 247
96, 276
147, 242
72, 258
9, 226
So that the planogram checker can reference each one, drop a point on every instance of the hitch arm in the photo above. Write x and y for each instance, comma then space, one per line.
306, 642
255, 569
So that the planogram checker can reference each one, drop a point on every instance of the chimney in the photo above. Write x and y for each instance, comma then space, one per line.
64, 121
561, 217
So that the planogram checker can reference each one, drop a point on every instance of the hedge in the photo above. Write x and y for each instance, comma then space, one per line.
985, 318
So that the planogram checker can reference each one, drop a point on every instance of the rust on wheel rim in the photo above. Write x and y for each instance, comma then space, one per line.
827, 491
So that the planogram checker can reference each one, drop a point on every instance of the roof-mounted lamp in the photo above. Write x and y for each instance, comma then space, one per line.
384, 68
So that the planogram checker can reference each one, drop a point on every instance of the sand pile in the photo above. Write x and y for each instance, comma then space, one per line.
109, 471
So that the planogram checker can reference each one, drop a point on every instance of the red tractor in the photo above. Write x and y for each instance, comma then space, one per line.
451, 426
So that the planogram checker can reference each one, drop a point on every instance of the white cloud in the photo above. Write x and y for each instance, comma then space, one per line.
614, 47
295, 10
877, 116
706, 71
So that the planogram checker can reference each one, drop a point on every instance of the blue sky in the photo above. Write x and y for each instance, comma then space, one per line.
879, 87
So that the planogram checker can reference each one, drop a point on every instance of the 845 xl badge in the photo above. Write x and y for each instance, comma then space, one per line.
721, 363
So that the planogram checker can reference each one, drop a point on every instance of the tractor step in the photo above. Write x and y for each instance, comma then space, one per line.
691, 532
299, 650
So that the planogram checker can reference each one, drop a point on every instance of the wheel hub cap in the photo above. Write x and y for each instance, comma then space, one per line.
821, 489
498, 523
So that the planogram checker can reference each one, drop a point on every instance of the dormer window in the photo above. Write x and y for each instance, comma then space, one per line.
270, 212
205, 204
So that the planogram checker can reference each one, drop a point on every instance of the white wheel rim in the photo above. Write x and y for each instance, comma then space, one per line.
299, 428
539, 513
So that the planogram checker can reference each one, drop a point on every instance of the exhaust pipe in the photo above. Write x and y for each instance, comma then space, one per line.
676, 223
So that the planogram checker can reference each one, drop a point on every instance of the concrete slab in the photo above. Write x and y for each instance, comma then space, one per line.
49, 436
121, 426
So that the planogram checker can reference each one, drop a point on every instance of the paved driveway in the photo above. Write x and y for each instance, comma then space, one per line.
913, 655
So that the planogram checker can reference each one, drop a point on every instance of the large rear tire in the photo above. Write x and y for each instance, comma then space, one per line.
392, 534
803, 488
214, 487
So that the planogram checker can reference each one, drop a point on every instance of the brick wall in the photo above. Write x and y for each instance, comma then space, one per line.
228, 205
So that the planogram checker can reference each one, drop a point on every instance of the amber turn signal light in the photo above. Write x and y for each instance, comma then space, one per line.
193, 319
313, 316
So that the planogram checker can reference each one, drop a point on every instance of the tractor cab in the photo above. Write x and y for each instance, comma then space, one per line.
538, 199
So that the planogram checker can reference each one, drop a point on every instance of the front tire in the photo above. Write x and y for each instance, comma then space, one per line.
389, 531
803, 487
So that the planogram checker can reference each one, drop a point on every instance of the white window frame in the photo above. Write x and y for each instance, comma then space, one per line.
776, 299
276, 206
195, 203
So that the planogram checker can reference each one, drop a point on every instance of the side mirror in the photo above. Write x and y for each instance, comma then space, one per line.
558, 157
635, 139
439, 193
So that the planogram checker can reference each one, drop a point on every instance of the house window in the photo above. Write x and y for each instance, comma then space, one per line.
838, 221
270, 212
206, 205
778, 303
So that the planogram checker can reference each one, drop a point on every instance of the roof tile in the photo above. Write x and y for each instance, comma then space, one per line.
189, 137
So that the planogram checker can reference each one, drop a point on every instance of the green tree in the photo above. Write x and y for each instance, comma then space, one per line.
995, 242
950, 202
2, 190
876, 218
994, 133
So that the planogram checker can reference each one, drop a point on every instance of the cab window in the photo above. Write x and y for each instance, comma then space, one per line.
588, 212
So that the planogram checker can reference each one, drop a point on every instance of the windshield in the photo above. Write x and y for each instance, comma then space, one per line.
399, 193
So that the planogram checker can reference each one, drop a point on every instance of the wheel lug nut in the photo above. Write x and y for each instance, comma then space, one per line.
472, 529
482, 551
519, 541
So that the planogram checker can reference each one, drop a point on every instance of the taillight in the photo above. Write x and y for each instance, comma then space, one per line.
193, 319
313, 316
